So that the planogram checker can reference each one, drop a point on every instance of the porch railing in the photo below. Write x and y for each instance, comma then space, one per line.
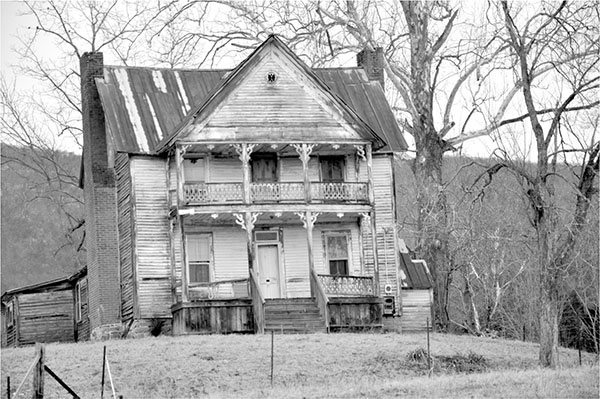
340, 191
258, 303
223, 193
228, 289
337, 286
318, 291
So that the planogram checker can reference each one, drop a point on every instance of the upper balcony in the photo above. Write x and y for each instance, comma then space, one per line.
287, 174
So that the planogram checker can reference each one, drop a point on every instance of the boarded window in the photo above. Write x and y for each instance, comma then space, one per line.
337, 251
199, 257
264, 168
194, 170
332, 169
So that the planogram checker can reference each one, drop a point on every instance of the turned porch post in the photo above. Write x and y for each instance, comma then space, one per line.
308, 221
304, 151
369, 156
180, 175
247, 221
375, 255
244, 150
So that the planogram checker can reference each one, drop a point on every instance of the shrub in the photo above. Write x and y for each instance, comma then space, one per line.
156, 326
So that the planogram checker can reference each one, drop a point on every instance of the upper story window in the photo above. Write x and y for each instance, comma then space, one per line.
194, 170
337, 250
332, 168
264, 167
199, 257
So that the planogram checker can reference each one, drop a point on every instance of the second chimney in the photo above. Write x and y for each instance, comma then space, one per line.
372, 62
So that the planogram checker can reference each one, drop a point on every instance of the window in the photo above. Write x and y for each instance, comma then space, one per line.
78, 303
199, 257
194, 170
10, 314
332, 169
337, 252
264, 168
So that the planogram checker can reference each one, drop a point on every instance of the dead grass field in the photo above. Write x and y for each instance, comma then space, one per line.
318, 365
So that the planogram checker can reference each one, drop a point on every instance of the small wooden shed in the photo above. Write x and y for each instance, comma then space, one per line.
52, 311
417, 293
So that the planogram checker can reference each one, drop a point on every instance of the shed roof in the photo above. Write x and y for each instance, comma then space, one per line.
144, 106
58, 284
417, 274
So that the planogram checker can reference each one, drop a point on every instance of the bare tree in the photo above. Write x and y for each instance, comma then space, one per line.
563, 36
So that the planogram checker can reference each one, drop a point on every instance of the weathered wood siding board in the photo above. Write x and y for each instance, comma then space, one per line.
9, 333
321, 266
152, 248
416, 309
172, 181
295, 248
46, 317
290, 169
230, 255
178, 249
353, 313
291, 108
225, 170
122, 169
83, 325
213, 317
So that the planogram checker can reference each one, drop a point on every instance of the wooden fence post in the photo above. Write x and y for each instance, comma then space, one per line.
103, 371
8, 386
428, 352
38, 374
272, 353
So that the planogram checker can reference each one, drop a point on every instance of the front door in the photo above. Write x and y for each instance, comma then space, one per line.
268, 270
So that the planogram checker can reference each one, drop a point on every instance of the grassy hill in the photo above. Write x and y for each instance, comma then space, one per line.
319, 365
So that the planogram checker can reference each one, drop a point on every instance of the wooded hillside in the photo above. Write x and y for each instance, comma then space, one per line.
37, 242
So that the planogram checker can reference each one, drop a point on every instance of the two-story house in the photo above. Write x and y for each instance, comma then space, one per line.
245, 200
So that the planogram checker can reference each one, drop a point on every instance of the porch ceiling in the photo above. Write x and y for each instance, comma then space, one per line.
268, 219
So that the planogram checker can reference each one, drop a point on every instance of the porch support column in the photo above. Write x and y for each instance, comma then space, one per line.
308, 221
180, 176
244, 150
304, 150
184, 260
369, 155
247, 221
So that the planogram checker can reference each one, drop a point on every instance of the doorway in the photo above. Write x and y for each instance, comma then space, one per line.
268, 270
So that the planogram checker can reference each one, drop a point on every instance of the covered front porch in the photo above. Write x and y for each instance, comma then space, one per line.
248, 273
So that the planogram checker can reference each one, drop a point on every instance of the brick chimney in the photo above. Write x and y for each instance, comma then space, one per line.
372, 62
104, 299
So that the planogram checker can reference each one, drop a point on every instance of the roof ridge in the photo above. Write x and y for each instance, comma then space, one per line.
169, 69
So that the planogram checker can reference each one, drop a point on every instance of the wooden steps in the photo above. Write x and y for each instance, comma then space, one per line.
293, 316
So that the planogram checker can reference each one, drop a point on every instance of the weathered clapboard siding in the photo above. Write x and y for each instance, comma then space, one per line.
213, 317
354, 267
9, 332
82, 327
291, 108
151, 243
122, 170
46, 317
172, 181
225, 170
290, 169
416, 308
230, 252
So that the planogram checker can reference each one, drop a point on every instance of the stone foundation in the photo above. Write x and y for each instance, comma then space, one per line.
141, 328
106, 332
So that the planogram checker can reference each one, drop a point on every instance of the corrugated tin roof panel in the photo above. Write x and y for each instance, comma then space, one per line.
144, 105
417, 275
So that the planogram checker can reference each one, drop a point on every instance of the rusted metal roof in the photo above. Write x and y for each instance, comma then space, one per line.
143, 106
417, 274
57, 284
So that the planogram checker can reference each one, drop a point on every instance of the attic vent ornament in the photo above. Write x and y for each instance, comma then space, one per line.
271, 78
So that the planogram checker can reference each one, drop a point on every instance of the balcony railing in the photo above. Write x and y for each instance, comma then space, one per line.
230, 289
227, 193
338, 286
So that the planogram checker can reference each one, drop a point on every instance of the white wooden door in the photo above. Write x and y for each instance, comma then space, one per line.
268, 270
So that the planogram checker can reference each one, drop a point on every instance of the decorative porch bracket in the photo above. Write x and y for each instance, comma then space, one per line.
304, 150
244, 151
246, 222
360, 151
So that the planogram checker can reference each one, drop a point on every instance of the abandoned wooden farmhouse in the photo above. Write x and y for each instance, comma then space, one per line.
246, 200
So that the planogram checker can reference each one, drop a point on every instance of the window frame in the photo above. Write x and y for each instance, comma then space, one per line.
211, 259
197, 158
78, 301
264, 156
10, 314
342, 158
338, 233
